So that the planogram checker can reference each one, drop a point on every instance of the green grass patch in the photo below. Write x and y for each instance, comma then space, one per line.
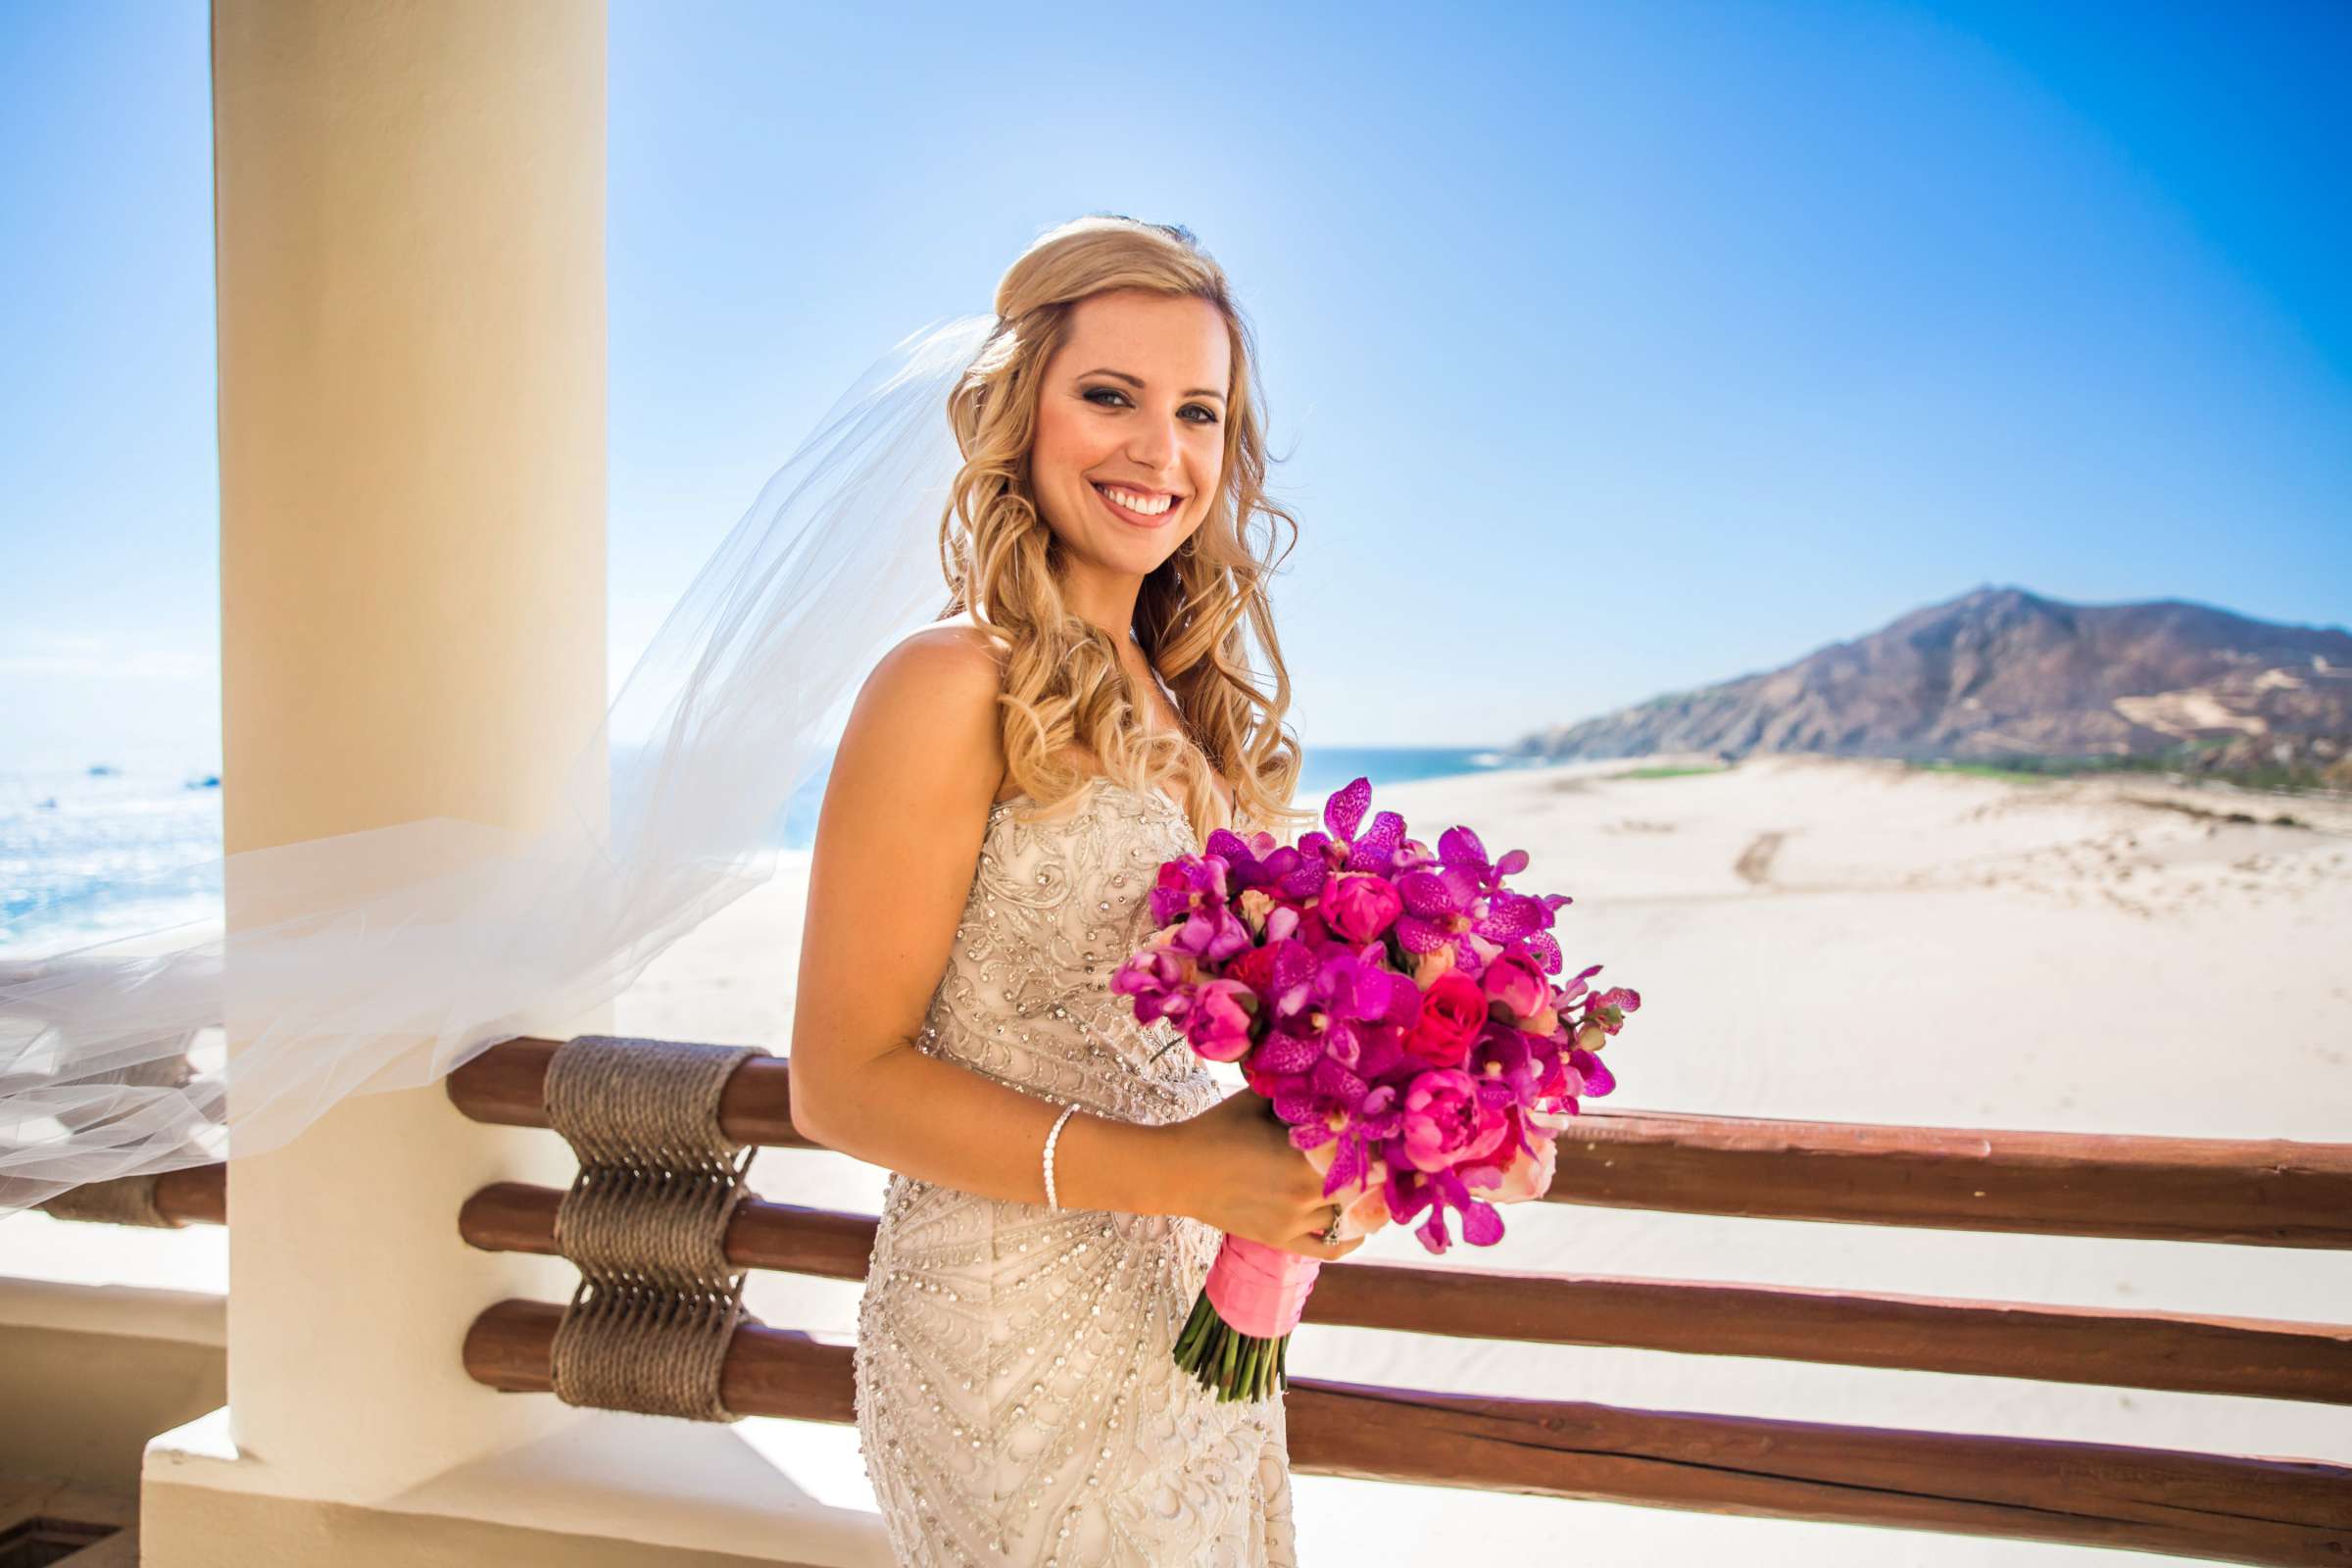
2178, 764
1667, 772
2015, 775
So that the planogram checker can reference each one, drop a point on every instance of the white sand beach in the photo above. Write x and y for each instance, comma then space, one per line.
1812, 939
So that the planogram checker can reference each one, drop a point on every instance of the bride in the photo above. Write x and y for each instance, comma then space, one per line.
1008, 781
1086, 465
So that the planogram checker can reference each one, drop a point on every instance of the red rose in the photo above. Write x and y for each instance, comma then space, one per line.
1254, 970
1266, 1084
1453, 1009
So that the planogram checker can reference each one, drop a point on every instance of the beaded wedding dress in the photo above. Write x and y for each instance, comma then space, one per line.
1017, 1401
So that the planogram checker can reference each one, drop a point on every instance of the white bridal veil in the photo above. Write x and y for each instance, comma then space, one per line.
383, 959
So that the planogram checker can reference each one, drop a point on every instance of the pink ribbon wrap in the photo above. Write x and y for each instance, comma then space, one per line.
1261, 1290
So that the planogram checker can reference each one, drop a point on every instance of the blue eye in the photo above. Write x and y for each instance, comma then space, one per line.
1112, 391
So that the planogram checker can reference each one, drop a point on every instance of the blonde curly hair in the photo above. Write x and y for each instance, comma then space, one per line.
1064, 686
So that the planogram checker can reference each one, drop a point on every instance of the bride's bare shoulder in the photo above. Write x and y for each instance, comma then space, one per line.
958, 661
922, 739
960, 638
950, 669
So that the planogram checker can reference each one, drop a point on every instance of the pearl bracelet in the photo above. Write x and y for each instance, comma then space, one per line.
1052, 1202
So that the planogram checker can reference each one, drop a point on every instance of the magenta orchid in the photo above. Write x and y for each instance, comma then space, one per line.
1160, 981
1342, 849
1257, 861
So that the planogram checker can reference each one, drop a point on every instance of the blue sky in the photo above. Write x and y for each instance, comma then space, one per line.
1615, 349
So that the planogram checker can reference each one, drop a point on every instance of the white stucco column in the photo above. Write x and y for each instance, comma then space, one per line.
409, 218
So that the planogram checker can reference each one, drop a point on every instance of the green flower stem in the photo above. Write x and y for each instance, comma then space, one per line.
1196, 1331
1227, 1362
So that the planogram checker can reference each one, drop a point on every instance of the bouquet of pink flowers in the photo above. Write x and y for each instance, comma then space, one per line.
1393, 1008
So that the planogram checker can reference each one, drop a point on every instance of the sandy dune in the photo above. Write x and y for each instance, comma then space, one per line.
1816, 938
1843, 941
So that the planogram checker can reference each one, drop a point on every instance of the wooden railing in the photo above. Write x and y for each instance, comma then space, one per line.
2263, 1357
2101, 1494
2230, 1508
2220, 1506
2258, 1193
195, 1195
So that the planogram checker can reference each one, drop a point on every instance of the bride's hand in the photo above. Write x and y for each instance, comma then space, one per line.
1242, 1175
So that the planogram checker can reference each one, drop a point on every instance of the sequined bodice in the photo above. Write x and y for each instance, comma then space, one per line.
1056, 905
1017, 1401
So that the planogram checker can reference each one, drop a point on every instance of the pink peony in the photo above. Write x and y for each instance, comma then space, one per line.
1360, 906
1218, 1022
1445, 1123
1516, 983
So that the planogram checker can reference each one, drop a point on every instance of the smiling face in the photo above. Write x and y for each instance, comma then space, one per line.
1130, 440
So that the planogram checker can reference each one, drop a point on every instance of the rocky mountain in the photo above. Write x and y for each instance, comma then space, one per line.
2001, 673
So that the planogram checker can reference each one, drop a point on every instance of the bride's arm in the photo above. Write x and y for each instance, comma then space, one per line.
896, 845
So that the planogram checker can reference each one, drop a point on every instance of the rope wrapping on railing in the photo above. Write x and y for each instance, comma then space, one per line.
120, 1199
646, 1223
174, 1072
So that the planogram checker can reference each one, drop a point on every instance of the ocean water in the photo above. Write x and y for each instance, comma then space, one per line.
100, 853
1325, 770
